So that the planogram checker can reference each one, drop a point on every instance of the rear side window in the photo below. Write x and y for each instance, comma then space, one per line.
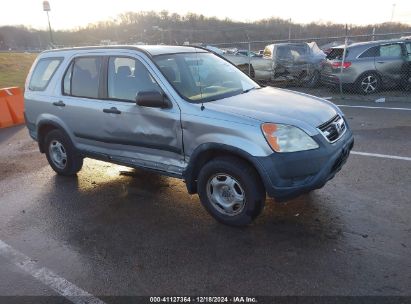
371, 52
83, 77
43, 72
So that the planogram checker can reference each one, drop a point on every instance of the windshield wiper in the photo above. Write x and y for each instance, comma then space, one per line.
250, 89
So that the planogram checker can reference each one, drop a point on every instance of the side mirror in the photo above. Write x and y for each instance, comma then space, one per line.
152, 99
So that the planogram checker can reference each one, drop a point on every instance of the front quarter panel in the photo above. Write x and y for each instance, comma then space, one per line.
203, 128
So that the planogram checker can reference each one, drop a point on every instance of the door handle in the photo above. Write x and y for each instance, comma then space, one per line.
380, 61
59, 104
112, 110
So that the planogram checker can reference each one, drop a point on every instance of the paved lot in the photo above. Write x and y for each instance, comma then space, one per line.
389, 95
113, 233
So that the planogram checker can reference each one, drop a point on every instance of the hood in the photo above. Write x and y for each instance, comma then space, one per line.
279, 106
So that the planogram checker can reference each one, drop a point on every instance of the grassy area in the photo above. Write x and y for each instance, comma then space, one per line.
14, 68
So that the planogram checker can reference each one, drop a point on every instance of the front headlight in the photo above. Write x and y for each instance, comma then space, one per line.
285, 138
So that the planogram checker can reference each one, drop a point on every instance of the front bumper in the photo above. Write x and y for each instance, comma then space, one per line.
287, 175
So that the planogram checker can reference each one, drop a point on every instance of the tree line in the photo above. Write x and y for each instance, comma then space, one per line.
163, 27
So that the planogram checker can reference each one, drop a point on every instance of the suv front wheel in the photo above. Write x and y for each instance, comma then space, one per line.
61, 154
231, 191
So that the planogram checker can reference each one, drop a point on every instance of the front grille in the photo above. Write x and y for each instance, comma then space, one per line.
333, 129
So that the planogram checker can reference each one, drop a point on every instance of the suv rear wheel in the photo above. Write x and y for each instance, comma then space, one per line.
61, 154
369, 83
231, 191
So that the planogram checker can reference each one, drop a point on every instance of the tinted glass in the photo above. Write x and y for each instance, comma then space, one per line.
202, 77
408, 46
127, 77
337, 54
85, 76
390, 50
371, 52
43, 72
67, 81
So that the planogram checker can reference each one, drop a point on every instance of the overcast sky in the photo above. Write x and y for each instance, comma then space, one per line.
67, 14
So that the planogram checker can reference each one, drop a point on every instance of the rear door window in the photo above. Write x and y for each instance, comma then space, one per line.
391, 50
43, 73
83, 77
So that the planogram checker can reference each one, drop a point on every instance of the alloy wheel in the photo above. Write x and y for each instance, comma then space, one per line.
369, 84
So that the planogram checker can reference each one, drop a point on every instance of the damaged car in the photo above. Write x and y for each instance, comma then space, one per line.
186, 113
299, 63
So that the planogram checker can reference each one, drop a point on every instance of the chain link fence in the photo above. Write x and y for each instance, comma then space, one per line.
374, 67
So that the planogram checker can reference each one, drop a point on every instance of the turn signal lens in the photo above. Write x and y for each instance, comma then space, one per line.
269, 133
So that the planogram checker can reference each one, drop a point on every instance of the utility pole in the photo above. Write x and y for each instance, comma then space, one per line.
343, 59
289, 30
46, 8
248, 55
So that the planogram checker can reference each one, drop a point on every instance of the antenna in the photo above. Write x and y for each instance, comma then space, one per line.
199, 80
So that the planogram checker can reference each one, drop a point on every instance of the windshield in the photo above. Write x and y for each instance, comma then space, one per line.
202, 77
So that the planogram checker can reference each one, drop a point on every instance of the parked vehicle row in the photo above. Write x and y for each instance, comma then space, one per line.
364, 67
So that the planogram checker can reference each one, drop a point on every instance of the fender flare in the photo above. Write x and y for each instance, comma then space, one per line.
207, 151
55, 125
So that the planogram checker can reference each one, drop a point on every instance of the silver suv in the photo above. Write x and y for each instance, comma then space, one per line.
186, 113
369, 66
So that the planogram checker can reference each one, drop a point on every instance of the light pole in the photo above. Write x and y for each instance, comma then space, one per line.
393, 11
46, 8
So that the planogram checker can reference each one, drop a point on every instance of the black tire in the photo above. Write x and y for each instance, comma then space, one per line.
56, 141
247, 181
313, 81
373, 79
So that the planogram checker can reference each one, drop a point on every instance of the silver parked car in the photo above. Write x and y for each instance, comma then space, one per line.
187, 113
369, 66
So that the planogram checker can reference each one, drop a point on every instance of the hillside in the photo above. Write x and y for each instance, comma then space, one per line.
163, 27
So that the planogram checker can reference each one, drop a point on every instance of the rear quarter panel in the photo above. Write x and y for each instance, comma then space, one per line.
38, 104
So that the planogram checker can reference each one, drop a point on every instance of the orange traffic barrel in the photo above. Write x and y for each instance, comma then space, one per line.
12, 99
5, 117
